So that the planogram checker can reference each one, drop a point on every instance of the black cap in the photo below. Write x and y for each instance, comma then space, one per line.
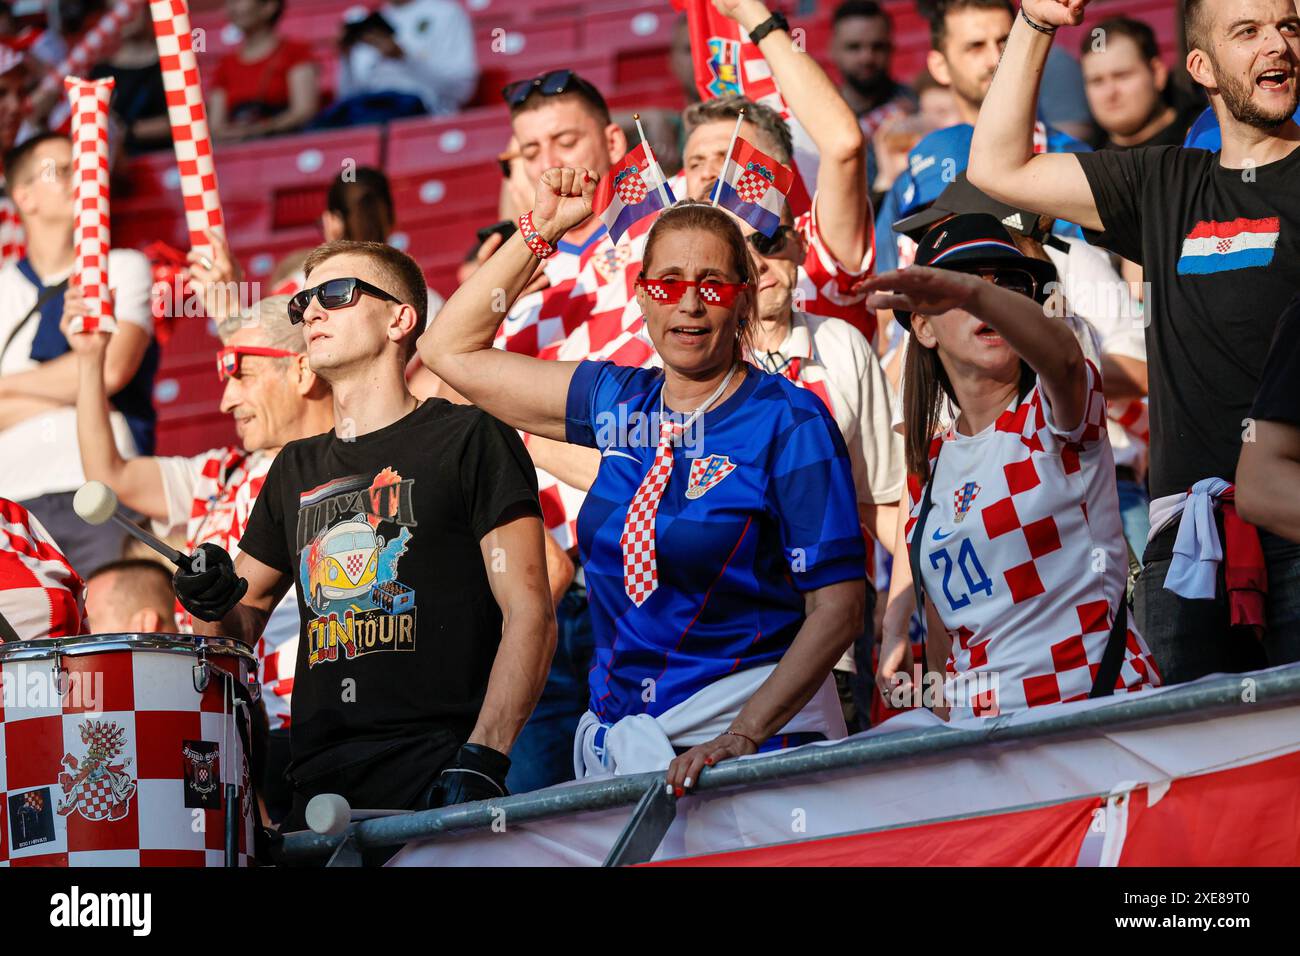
961, 197
973, 240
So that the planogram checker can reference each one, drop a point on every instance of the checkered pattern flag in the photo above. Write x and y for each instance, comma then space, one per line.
89, 101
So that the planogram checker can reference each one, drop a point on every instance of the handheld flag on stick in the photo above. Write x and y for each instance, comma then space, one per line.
634, 188
754, 186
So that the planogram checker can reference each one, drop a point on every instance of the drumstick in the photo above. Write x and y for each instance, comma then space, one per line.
95, 503
330, 813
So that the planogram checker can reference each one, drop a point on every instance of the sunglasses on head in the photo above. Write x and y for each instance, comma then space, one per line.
1011, 279
772, 245
230, 358
710, 291
335, 294
548, 84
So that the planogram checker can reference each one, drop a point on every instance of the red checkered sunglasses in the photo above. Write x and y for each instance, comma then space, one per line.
710, 291
231, 357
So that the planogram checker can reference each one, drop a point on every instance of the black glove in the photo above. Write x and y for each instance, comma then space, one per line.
206, 584
477, 773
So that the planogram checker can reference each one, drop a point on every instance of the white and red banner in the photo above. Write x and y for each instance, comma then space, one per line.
1221, 789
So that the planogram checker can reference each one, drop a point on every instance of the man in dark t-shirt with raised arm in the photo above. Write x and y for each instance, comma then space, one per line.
413, 535
1219, 238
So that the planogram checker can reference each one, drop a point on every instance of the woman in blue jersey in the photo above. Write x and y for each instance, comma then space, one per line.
720, 540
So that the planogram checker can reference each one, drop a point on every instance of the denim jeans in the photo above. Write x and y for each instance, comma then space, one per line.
1134, 512
1192, 638
543, 754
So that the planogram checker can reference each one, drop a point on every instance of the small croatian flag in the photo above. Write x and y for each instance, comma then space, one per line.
1228, 246
754, 186
630, 191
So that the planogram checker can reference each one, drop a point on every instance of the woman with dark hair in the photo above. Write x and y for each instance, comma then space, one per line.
359, 206
1016, 536
720, 539
266, 86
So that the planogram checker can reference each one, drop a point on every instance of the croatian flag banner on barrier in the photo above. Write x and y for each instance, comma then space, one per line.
633, 189
754, 186
1214, 247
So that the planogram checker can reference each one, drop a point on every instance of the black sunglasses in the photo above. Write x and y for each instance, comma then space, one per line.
549, 84
771, 245
1011, 279
335, 294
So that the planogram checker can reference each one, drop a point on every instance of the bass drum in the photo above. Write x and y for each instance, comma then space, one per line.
115, 748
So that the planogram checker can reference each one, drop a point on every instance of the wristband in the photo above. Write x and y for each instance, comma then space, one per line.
536, 244
736, 733
775, 22
1046, 31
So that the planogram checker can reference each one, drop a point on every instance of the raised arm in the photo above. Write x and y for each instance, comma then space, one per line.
1047, 344
523, 391
138, 482
844, 206
1002, 160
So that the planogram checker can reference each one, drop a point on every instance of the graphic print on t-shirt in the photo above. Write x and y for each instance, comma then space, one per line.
352, 533
1229, 246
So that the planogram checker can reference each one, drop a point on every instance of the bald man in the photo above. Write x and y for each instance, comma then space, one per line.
133, 595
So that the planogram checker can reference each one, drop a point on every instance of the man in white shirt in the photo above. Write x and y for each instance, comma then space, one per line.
39, 464
429, 53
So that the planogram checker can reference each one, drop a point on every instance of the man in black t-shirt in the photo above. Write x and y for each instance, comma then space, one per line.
413, 535
1268, 473
1219, 238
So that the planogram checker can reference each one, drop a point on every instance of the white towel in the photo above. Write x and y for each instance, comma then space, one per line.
640, 743
1193, 570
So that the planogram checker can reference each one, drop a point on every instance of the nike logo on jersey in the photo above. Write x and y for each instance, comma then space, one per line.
940, 537
610, 452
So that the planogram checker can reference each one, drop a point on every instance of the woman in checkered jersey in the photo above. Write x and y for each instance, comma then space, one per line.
720, 540
1015, 529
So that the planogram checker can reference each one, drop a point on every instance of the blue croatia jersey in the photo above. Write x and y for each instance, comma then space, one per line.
759, 508
1206, 134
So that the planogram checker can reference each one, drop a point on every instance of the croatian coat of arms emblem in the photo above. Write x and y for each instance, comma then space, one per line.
99, 785
753, 183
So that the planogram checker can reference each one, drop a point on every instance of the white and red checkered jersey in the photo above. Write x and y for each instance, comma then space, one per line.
212, 494
1024, 557
828, 287
13, 240
40, 594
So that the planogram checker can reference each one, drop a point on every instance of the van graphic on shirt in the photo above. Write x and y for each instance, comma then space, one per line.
352, 534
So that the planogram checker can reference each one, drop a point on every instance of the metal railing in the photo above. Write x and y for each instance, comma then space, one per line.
653, 813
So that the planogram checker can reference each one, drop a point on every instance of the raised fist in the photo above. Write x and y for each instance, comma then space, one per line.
563, 201
1055, 13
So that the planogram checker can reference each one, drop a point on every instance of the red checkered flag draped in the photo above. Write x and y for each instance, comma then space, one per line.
89, 101
640, 572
